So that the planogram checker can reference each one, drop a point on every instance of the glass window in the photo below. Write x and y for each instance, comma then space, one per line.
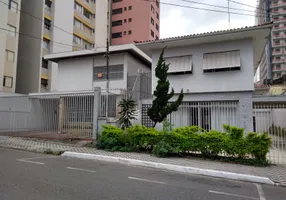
46, 43
11, 30
10, 56
115, 72
76, 40
13, 6
8, 81
77, 23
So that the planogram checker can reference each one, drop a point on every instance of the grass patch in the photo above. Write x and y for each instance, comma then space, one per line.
52, 152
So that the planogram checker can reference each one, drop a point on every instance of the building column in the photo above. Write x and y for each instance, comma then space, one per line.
246, 112
62, 122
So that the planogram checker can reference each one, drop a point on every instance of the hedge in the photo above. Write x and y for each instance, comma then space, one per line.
232, 144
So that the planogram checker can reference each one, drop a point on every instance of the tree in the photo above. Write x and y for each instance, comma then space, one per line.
127, 113
161, 107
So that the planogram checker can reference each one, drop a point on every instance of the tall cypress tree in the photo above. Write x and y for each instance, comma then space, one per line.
161, 107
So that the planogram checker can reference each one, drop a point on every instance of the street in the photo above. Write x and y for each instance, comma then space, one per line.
26, 175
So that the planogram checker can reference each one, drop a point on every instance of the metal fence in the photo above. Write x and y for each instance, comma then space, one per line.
208, 115
271, 118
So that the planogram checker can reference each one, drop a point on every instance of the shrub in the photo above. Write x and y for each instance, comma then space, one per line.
258, 145
233, 144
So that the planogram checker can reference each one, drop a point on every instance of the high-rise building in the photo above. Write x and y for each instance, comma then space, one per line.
9, 26
273, 65
134, 20
53, 26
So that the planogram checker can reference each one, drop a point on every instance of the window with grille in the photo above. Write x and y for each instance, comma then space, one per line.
180, 64
221, 61
115, 72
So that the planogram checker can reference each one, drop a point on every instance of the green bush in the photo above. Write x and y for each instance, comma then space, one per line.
233, 144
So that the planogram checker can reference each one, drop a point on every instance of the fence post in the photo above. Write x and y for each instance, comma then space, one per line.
96, 107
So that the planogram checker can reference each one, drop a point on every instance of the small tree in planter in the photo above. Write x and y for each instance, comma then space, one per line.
161, 107
127, 113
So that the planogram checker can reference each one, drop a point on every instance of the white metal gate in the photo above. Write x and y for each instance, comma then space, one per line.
271, 118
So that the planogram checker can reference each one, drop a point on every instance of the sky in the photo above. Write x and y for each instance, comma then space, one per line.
178, 21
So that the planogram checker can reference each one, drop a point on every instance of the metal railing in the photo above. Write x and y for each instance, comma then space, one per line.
207, 115
271, 118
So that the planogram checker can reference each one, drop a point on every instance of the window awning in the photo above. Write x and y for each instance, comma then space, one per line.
221, 60
180, 64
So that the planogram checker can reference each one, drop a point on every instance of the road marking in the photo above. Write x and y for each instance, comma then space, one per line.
146, 180
79, 169
260, 192
27, 161
234, 195
40, 157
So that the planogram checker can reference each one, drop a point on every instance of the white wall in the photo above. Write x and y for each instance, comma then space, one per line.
101, 23
64, 20
210, 82
75, 74
134, 64
3, 24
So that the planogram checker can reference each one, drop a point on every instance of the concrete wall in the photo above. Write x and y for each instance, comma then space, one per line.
101, 23
3, 36
63, 34
75, 74
30, 48
211, 82
134, 64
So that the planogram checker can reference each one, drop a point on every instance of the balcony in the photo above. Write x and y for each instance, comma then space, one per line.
280, 36
279, 4
88, 36
47, 31
274, 61
90, 6
279, 45
279, 12
88, 22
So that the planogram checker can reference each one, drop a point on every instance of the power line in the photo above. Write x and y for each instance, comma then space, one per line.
38, 19
197, 8
40, 38
217, 6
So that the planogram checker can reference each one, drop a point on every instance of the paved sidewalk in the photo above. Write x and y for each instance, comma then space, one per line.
275, 173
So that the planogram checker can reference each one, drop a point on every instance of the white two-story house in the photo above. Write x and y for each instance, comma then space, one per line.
215, 71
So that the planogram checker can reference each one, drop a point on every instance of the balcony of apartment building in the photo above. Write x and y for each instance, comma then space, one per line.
83, 31
84, 13
47, 28
48, 9
44, 76
80, 43
275, 4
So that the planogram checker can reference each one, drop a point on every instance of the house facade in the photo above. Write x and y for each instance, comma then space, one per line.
215, 71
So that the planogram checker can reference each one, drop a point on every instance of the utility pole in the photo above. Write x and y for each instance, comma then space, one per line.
228, 14
107, 77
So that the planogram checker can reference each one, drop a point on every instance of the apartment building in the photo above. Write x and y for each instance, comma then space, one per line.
275, 52
9, 24
134, 21
54, 26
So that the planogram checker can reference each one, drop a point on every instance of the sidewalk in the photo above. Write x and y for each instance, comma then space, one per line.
276, 173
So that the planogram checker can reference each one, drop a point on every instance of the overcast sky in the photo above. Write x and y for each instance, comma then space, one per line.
178, 21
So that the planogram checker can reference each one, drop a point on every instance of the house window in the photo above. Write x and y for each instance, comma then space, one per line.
130, 8
130, 20
152, 9
221, 61
117, 35
87, 14
152, 21
10, 56
125, 20
117, 23
157, 27
11, 30
115, 72
117, 11
152, 33
8, 81
179, 65
46, 43
13, 6
76, 40
125, 8
124, 33
77, 23
157, 38
115, 1
157, 15
48, 5
47, 24
157, 3
44, 83
129, 32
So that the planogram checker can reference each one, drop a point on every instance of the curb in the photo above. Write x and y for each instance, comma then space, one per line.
176, 168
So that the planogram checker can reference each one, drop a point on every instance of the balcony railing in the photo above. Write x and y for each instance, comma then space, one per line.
279, 4
48, 11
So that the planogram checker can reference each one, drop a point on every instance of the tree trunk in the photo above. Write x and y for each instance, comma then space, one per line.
154, 124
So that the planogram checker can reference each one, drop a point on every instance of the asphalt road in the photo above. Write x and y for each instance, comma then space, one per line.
31, 176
